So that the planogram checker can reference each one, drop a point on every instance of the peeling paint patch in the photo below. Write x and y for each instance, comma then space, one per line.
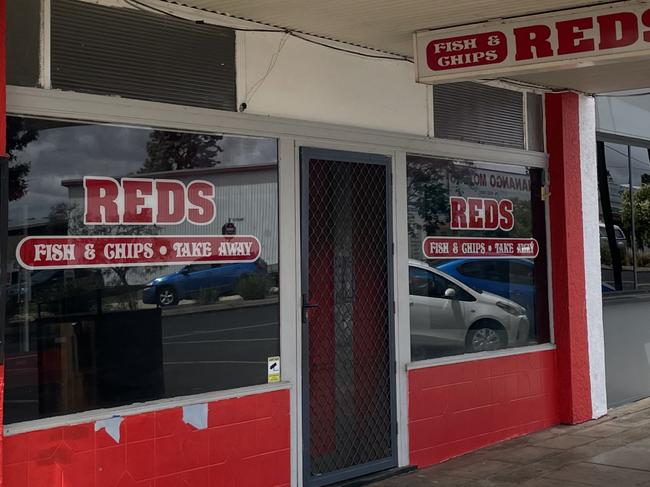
111, 425
196, 415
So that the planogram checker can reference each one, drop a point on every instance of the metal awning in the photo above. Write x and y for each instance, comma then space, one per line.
388, 26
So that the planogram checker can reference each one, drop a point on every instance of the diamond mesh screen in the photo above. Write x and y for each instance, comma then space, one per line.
349, 347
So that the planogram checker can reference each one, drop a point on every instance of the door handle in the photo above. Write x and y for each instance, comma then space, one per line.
306, 306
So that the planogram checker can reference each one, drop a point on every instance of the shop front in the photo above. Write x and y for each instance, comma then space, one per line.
225, 266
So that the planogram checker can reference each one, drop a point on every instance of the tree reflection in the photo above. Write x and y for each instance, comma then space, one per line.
18, 137
169, 151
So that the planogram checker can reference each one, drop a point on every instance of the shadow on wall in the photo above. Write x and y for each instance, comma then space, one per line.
627, 348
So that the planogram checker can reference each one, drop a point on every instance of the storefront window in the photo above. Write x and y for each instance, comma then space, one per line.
477, 269
142, 264
624, 216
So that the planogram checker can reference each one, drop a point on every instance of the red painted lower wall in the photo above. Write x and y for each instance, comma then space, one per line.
454, 409
246, 443
2, 440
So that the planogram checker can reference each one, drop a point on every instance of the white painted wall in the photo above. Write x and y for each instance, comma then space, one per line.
284, 76
591, 236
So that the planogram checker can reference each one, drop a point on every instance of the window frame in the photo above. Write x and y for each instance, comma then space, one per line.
630, 142
291, 135
468, 357
99, 412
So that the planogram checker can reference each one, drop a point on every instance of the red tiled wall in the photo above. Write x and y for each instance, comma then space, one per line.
454, 409
246, 444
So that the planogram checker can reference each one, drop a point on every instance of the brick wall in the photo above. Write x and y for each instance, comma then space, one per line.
454, 409
245, 443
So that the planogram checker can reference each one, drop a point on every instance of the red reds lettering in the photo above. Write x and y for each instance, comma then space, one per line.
141, 201
579, 35
480, 214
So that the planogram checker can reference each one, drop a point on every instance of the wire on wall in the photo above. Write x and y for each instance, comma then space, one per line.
299, 35
256, 86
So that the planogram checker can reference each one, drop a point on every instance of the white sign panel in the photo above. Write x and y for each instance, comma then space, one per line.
574, 38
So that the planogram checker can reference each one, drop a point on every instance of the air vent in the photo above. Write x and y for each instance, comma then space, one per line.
478, 113
141, 55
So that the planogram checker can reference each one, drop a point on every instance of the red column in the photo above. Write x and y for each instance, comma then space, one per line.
567, 256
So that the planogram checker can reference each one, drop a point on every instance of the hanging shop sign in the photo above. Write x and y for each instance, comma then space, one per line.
571, 38
125, 224
480, 214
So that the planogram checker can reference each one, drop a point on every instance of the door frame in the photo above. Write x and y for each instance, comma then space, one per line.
305, 153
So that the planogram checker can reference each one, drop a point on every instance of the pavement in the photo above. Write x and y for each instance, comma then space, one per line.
611, 451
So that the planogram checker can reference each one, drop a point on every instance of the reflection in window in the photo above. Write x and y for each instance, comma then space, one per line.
461, 304
624, 216
94, 337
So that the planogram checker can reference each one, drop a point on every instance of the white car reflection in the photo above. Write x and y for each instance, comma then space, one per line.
447, 313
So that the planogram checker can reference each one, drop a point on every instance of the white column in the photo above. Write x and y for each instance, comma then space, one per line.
593, 291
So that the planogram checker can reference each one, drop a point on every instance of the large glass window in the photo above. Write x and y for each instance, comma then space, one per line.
477, 269
624, 171
142, 264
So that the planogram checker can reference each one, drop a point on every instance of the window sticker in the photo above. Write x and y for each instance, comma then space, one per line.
114, 251
274, 369
479, 247
480, 214
110, 206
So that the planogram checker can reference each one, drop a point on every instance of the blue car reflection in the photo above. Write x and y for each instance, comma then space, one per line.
188, 282
509, 278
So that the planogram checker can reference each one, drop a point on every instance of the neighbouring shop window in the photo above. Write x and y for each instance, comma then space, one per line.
477, 268
141, 54
624, 187
142, 264
23, 42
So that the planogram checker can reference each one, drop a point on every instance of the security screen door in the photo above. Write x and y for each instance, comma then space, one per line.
348, 359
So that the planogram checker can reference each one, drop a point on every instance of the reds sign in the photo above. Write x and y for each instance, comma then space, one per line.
480, 214
140, 201
541, 42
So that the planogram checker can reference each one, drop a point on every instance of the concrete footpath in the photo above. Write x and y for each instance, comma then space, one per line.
612, 451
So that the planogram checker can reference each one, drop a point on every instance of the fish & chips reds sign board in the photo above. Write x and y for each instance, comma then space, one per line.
561, 40
109, 203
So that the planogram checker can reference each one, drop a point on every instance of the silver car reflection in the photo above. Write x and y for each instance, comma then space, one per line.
446, 312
